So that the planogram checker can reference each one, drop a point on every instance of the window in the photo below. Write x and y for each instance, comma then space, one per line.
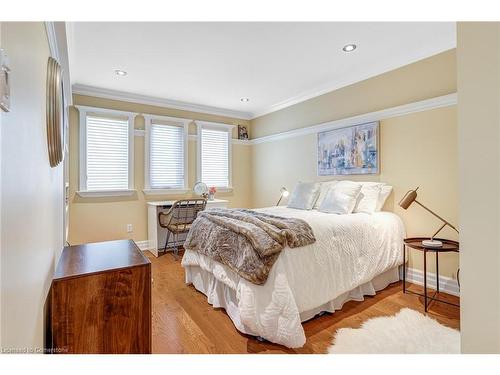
106, 152
214, 154
166, 155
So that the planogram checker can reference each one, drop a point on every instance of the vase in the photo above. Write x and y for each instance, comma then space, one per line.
211, 196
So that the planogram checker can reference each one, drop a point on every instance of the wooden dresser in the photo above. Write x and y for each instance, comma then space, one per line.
100, 300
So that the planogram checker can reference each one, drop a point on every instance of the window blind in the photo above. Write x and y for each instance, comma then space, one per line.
107, 153
166, 156
215, 157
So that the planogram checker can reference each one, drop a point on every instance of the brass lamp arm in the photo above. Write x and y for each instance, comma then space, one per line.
439, 217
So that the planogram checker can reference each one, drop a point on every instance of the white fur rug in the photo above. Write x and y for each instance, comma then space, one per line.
408, 332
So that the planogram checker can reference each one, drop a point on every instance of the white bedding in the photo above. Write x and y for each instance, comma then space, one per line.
350, 250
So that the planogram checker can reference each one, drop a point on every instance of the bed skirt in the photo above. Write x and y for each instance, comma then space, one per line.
220, 295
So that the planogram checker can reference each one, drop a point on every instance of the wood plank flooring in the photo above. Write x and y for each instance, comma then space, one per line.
184, 322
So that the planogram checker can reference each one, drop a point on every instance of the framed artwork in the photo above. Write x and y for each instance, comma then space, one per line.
350, 150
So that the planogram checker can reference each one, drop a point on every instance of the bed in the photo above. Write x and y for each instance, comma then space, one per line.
354, 255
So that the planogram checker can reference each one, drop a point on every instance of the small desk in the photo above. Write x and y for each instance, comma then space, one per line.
156, 234
416, 243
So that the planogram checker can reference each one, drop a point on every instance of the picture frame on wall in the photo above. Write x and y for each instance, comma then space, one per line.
352, 150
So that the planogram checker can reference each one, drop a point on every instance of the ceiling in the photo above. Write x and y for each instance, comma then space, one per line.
211, 66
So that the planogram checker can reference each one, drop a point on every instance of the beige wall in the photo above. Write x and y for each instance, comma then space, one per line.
419, 149
478, 63
32, 192
425, 79
99, 219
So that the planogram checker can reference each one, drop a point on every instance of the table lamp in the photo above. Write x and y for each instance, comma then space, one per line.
408, 199
283, 193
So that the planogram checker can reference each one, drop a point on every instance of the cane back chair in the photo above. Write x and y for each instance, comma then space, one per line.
178, 220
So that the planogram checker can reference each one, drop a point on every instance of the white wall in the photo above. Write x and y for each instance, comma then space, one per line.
31, 191
478, 70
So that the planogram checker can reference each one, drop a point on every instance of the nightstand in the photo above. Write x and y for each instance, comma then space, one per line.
416, 243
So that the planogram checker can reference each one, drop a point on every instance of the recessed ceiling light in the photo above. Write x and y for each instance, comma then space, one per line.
244, 100
121, 73
349, 48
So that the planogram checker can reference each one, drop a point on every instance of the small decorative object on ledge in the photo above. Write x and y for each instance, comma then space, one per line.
55, 115
211, 193
242, 132
283, 193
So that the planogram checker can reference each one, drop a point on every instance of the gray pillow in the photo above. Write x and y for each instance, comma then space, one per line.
304, 195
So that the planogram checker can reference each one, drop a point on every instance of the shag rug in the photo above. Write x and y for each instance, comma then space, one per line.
408, 332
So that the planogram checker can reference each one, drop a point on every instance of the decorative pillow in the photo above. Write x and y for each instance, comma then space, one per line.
384, 194
304, 195
368, 198
325, 186
341, 198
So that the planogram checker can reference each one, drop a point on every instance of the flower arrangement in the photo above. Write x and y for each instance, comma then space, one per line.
211, 192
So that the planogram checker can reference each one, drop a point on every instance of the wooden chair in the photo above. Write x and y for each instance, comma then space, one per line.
178, 220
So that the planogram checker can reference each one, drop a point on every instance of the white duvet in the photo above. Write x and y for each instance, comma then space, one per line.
350, 250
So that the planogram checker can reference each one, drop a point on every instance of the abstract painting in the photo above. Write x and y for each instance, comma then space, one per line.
347, 151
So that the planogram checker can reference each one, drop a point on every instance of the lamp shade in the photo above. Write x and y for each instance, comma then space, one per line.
408, 199
284, 192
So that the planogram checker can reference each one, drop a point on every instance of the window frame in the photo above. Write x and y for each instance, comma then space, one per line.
104, 112
221, 127
181, 122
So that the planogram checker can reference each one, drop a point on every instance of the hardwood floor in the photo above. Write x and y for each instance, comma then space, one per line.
184, 322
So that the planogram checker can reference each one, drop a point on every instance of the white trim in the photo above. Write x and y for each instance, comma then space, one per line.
423, 105
147, 183
58, 47
165, 191
158, 102
106, 111
105, 193
139, 132
51, 36
446, 284
84, 111
142, 245
215, 125
376, 68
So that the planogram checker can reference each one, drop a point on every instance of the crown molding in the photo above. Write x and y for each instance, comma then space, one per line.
375, 69
158, 102
423, 105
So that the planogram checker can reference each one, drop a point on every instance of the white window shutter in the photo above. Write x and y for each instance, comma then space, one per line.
107, 153
166, 156
215, 157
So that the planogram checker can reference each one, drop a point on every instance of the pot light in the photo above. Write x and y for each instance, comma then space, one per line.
244, 100
120, 73
349, 47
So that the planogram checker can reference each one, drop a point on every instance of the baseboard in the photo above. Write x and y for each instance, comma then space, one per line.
446, 284
143, 245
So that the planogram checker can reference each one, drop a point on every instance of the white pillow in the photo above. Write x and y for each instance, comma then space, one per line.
341, 198
304, 195
384, 194
325, 186
368, 198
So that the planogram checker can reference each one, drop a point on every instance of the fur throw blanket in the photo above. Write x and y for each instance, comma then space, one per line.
248, 242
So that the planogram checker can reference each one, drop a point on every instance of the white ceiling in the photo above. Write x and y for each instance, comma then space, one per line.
210, 66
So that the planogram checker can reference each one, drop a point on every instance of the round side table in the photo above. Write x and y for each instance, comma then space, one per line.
416, 243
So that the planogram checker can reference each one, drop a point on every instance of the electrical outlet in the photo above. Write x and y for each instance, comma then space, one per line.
129, 228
